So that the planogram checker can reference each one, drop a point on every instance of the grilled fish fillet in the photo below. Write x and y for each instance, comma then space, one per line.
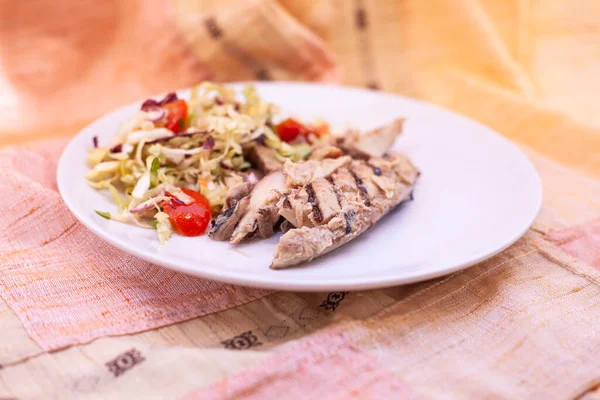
321, 204
262, 157
236, 204
250, 212
364, 190
374, 143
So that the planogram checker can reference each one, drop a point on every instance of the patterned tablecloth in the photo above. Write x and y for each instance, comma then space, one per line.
81, 318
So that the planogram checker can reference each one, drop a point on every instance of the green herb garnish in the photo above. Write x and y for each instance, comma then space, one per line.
155, 166
103, 214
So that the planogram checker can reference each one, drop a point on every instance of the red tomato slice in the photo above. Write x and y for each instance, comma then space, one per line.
290, 129
189, 219
198, 197
176, 115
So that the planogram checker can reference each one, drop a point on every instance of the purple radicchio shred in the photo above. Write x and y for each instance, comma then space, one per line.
117, 149
209, 143
157, 113
225, 166
261, 139
169, 98
95, 141
176, 201
149, 105
286, 203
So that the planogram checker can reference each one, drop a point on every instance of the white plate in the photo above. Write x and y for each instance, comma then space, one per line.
477, 195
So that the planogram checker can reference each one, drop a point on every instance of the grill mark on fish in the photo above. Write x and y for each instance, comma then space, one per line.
364, 203
230, 210
376, 170
336, 190
348, 218
252, 234
286, 203
362, 189
223, 217
314, 201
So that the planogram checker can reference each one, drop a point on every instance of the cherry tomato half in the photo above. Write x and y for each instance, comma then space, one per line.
290, 129
188, 219
198, 197
176, 115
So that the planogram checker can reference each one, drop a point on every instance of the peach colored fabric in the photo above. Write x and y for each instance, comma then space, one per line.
58, 73
582, 242
67, 285
326, 366
522, 309
527, 69
520, 325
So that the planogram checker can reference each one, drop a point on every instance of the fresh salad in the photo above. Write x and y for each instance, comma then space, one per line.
171, 165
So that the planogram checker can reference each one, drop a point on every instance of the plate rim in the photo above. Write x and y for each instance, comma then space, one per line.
299, 286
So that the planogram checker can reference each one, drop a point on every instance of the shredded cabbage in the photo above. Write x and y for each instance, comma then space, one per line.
163, 227
147, 164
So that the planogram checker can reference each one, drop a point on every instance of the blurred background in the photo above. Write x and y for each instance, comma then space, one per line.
529, 69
